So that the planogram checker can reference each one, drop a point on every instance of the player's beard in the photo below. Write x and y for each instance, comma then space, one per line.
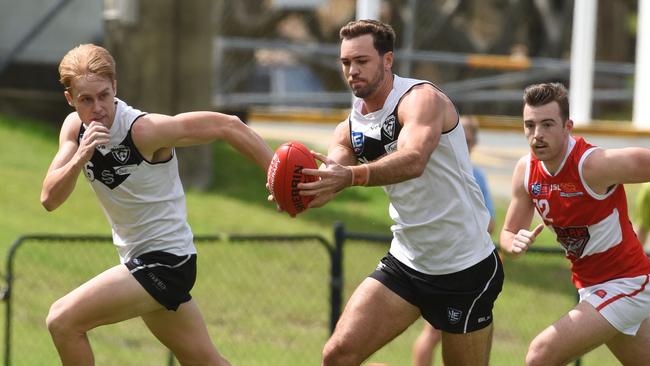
369, 89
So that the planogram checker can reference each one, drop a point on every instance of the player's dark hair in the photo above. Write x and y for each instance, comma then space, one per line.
383, 34
540, 94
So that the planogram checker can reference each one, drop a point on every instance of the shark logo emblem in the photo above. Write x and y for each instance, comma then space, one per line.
389, 126
121, 153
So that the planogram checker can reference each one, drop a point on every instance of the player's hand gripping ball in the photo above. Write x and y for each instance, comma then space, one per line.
284, 174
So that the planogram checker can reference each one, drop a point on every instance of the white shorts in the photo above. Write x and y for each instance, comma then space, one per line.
624, 302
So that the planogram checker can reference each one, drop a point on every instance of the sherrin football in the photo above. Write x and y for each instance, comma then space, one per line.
284, 174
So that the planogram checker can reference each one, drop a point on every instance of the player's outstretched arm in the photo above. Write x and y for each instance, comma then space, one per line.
157, 131
606, 167
515, 238
64, 170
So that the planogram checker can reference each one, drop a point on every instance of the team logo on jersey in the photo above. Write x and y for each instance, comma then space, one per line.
454, 315
574, 239
535, 188
539, 189
357, 142
600, 293
389, 126
121, 153
392, 147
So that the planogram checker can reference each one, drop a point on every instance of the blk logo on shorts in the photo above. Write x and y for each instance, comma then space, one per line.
454, 315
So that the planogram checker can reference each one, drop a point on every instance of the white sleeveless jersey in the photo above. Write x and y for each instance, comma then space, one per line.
440, 217
144, 202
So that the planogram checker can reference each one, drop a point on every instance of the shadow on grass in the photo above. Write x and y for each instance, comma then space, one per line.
236, 177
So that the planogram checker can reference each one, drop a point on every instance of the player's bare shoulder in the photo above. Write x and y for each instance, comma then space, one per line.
146, 125
70, 127
425, 102
151, 135
518, 174
421, 93
342, 133
425, 91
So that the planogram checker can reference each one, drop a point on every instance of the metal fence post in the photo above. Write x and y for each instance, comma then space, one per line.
7, 297
336, 280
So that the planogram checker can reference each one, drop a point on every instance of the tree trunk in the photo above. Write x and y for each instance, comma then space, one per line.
164, 64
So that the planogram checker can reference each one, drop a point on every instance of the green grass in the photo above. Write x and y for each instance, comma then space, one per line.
264, 304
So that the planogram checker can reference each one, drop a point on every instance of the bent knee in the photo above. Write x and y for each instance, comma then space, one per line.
55, 319
59, 319
340, 354
540, 354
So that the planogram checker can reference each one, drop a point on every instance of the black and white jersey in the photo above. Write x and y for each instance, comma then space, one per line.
114, 167
377, 140
440, 217
143, 201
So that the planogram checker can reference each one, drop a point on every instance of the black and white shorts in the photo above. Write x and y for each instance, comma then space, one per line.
167, 278
459, 302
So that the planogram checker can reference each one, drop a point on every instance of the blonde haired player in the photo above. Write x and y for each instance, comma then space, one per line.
129, 160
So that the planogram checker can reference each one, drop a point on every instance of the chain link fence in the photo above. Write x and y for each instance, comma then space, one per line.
265, 299
537, 291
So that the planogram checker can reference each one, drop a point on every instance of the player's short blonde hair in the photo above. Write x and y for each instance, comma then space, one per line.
85, 60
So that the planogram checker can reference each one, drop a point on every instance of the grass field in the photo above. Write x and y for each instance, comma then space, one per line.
265, 305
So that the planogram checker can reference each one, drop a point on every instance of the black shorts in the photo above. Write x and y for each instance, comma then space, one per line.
167, 278
459, 302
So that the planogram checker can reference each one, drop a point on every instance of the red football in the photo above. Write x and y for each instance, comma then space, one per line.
284, 174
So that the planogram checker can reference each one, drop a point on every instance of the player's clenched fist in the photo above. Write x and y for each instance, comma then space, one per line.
96, 134
525, 239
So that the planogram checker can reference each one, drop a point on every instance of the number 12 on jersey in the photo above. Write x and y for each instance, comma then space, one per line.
543, 207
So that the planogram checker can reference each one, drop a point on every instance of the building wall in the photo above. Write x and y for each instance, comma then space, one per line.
79, 21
